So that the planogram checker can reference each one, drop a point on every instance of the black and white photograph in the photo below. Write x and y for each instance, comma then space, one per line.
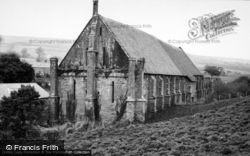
125, 77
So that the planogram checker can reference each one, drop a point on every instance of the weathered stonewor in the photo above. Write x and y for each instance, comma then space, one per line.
91, 97
178, 91
154, 84
151, 97
130, 109
202, 90
162, 93
183, 90
136, 103
188, 94
140, 104
71, 101
95, 7
54, 98
173, 90
159, 93
166, 92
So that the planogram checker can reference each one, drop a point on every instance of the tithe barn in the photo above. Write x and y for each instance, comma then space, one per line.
114, 72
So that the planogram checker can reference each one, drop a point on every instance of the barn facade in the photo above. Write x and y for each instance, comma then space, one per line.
114, 72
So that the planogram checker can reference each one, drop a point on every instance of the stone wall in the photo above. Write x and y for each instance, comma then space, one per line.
74, 88
193, 94
110, 91
158, 91
161, 92
68, 86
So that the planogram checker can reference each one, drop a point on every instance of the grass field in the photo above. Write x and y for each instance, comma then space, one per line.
219, 131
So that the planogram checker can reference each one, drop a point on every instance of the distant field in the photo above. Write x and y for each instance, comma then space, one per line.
51, 46
59, 47
238, 66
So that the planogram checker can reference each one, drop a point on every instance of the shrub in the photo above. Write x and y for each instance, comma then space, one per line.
221, 89
240, 86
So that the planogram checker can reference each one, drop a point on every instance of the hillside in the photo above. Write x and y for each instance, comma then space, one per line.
234, 65
51, 46
225, 131
59, 47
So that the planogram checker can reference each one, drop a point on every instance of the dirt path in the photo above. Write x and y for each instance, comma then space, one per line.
216, 132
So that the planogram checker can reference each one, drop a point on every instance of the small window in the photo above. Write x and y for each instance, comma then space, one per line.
113, 91
74, 89
86, 56
100, 31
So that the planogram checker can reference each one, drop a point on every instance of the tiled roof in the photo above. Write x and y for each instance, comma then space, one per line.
161, 58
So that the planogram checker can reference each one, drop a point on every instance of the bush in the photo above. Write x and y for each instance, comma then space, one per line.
221, 90
240, 86
19, 113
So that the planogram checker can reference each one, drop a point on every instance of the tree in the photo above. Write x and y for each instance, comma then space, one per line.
242, 79
213, 70
19, 113
24, 53
41, 56
241, 85
13, 70
221, 89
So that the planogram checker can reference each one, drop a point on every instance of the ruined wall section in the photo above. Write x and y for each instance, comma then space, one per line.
160, 92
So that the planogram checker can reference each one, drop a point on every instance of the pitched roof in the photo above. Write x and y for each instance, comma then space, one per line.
161, 58
7, 88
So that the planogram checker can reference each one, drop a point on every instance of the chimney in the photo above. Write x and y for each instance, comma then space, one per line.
95, 7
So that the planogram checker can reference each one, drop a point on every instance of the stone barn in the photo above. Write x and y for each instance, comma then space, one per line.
114, 72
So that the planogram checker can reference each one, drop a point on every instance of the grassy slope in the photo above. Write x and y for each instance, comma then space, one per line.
225, 131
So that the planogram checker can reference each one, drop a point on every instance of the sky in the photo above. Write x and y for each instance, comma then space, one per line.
164, 19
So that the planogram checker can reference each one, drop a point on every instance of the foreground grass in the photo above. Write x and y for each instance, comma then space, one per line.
225, 131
